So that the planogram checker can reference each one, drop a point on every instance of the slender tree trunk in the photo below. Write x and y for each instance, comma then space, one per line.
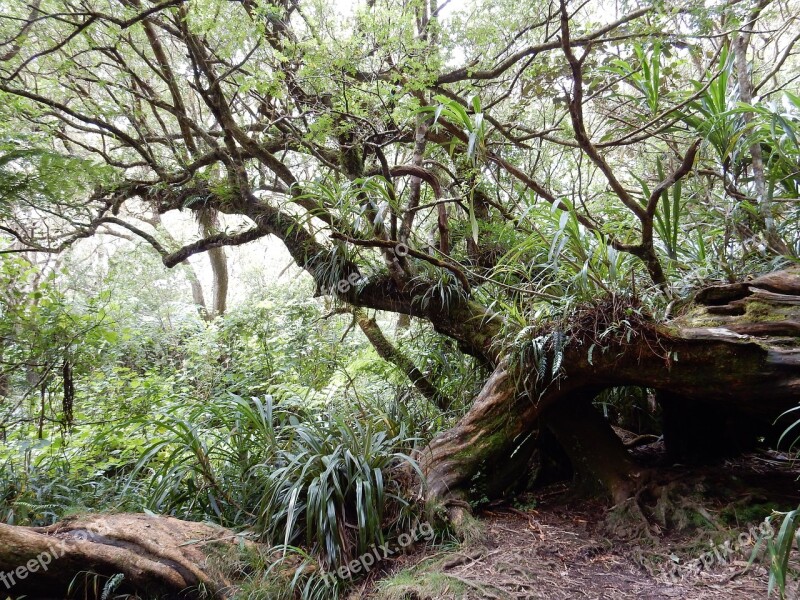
763, 201
209, 223
600, 462
403, 323
219, 270
388, 352
198, 297
197, 290
5, 384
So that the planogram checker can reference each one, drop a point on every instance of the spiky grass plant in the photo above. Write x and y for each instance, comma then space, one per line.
329, 483
336, 486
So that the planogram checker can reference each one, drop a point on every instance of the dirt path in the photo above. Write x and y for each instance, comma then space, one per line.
560, 550
546, 555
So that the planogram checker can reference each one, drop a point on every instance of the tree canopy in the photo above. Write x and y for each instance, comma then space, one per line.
542, 186
560, 140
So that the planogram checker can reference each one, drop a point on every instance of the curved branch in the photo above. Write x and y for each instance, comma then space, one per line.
787, 52
388, 352
411, 252
465, 73
214, 241
133, 229
677, 175
421, 172
18, 40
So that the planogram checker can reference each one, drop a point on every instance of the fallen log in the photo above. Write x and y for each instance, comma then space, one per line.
153, 555
731, 357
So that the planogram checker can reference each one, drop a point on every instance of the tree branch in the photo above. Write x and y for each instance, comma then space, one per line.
214, 241
388, 352
411, 252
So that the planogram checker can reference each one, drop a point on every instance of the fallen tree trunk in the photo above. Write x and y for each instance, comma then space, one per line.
155, 556
734, 351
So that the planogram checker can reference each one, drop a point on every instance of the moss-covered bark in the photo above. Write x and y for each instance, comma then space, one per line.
717, 356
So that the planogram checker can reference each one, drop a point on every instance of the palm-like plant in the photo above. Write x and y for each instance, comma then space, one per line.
293, 478
335, 486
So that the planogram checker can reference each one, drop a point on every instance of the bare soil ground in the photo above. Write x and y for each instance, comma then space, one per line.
556, 547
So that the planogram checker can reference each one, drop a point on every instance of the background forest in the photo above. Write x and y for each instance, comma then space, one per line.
265, 264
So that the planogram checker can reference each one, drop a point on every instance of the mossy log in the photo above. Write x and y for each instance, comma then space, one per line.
156, 556
734, 352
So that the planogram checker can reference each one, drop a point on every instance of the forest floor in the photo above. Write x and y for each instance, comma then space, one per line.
556, 546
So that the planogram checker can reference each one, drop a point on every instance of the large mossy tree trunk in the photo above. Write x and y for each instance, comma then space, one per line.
732, 356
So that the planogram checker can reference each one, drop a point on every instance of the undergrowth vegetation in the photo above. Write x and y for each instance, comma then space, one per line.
297, 477
277, 420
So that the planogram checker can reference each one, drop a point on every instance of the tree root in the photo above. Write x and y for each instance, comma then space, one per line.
627, 521
152, 554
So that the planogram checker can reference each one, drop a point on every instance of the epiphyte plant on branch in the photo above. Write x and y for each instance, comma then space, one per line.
561, 153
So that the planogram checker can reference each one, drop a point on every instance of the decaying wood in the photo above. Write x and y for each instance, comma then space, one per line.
156, 555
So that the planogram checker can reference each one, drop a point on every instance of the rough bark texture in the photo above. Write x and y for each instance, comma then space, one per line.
156, 555
209, 224
198, 297
219, 268
735, 349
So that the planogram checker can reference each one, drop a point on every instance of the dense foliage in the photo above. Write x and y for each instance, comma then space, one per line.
479, 169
